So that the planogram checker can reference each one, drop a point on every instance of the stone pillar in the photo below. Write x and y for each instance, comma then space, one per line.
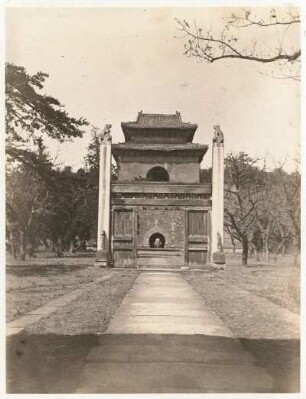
103, 238
217, 196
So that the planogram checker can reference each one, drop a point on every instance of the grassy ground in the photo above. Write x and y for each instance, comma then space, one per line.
249, 317
91, 312
30, 285
279, 282
230, 293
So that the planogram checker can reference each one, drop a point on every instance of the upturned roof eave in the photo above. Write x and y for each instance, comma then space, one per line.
201, 149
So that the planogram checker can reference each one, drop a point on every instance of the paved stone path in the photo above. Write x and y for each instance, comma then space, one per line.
164, 303
164, 339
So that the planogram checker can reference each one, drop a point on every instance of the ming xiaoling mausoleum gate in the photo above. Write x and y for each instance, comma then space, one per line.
158, 214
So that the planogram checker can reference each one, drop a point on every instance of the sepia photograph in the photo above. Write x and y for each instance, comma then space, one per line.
153, 168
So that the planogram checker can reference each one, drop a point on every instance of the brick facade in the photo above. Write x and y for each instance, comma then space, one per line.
178, 172
168, 222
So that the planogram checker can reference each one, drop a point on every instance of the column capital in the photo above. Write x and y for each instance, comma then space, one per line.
218, 137
105, 136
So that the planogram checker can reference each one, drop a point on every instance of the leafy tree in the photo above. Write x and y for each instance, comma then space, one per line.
245, 37
31, 115
34, 187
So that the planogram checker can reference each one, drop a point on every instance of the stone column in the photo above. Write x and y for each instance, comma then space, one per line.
217, 194
103, 238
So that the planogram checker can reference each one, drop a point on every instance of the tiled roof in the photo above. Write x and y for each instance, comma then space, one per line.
159, 121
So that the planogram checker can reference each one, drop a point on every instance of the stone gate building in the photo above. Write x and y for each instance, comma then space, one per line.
157, 213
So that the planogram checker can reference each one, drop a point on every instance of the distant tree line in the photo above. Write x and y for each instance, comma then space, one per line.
262, 208
45, 203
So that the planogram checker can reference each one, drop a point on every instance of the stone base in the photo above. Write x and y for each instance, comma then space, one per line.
219, 266
102, 259
218, 258
101, 263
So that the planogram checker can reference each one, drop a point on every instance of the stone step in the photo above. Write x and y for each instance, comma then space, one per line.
144, 253
161, 262
160, 354
160, 258
172, 378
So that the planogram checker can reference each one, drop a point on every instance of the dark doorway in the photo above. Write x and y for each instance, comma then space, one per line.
157, 240
158, 174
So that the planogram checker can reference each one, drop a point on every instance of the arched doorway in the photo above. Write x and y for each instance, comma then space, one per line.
158, 174
157, 240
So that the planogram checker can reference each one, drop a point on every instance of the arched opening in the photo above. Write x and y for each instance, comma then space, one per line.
157, 240
158, 174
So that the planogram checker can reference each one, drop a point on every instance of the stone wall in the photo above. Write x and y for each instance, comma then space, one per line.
168, 222
178, 173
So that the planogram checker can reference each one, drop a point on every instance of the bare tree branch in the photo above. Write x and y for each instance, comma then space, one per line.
226, 45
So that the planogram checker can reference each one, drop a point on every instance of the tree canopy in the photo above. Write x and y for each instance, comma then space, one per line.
31, 116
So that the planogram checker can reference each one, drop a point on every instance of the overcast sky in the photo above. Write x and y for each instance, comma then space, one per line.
108, 64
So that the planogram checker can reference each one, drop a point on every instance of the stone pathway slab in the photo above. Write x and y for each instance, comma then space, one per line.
166, 313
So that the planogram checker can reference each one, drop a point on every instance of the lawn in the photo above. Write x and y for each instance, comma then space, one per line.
34, 283
245, 298
278, 281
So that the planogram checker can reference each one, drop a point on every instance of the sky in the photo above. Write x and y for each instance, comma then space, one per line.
107, 64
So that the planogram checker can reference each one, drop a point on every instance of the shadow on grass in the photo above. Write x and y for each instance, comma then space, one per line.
54, 363
43, 270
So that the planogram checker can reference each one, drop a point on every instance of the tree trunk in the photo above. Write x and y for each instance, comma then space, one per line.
296, 244
46, 245
30, 246
13, 243
72, 247
59, 248
266, 246
22, 245
245, 251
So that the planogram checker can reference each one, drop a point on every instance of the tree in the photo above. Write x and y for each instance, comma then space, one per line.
34, 186
31, 115
27, 201
245, 36
289, 188
243, 188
